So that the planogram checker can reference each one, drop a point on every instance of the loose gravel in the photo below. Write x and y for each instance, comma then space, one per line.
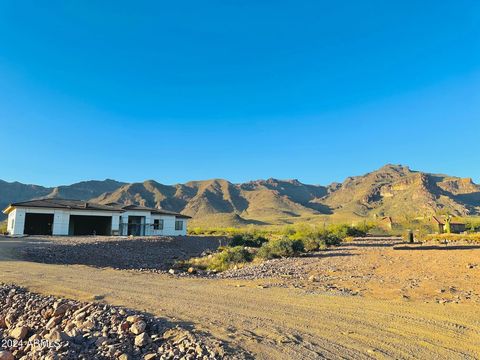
33, 326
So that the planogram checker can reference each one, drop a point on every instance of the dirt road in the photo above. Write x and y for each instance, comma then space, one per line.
270, 323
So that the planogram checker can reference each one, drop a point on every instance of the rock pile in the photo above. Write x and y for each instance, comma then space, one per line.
33, 326
156, 254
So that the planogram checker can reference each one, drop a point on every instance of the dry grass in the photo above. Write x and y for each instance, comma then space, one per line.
463, 238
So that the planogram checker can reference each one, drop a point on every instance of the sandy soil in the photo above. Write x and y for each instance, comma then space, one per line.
279, 322
382, 269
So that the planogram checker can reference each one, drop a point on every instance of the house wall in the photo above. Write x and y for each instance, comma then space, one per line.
169, 226
11, 222
457, 228
168, 223
61, 219
16, 220
182, 232
146, 219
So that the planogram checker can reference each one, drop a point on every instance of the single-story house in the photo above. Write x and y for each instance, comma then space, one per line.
455, 227
77, 217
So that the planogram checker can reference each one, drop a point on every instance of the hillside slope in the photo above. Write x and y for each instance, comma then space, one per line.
218, 201
396, 190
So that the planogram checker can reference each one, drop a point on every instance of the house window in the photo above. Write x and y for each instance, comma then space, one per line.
158, 224
178, 225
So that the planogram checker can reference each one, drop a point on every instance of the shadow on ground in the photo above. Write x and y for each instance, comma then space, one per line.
141, 253
437, 247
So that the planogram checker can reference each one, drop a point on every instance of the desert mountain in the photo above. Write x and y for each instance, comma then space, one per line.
14, 191
220, 201
395, 190
392, 190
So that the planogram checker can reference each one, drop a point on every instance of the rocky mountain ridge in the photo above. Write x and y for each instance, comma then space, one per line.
393, 190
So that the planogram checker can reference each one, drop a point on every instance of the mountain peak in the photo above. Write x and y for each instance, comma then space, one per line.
394, 167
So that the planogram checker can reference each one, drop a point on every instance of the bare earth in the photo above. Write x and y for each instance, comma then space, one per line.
366, 300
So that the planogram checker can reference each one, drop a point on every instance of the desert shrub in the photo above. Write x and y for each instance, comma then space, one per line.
423, 230
313, 243
380, 231
195, 231
225, 259
226, 231
440, 238
3, 227
314, 238
342, 231
288, 230
284, 247
229, 257
472, 225
250, 240
332, 239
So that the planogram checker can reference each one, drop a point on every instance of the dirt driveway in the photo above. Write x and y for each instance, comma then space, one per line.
269, 322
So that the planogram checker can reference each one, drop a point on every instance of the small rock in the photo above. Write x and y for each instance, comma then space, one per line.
142, 340
55, 336
88, 325
19, 332
123, 327
138, 327
53, 322
101, 340
10, 320
60, 310
133, 318
6, 355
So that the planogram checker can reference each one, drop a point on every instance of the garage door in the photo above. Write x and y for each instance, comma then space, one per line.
90, 225
38, 224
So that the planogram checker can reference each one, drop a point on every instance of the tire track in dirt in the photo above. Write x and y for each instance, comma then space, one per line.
271, 323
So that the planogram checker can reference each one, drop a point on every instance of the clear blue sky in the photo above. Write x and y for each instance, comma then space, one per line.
242, 90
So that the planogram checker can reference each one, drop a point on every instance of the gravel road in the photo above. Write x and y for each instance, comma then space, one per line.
273, 322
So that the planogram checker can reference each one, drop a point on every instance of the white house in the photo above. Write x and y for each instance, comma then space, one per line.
76, 217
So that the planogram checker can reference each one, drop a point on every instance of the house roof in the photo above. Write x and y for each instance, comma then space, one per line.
64, 204
438, 221
153, 210
86, 205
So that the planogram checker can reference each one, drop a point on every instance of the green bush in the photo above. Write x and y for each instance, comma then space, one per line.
3, 227
250, 240
332, 239
283, 247
229, 257
314, 238
342, 231
313, 243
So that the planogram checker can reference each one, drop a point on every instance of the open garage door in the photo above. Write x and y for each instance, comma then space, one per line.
38, 224
90, 225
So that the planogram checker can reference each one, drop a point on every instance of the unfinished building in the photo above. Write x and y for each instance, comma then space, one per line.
77, 217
